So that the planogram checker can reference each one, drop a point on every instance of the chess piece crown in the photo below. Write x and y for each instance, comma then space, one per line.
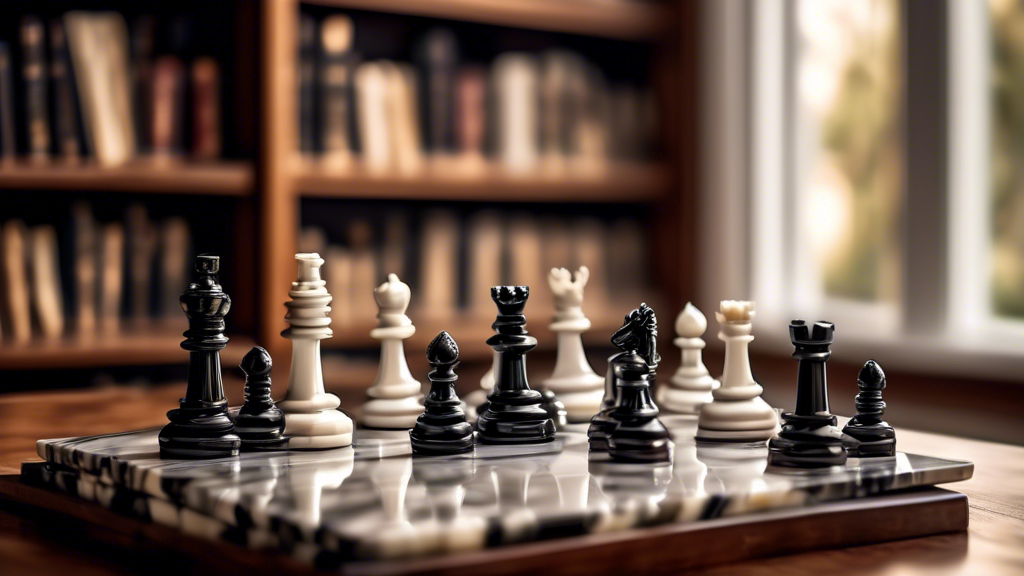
205, 304
568, 292
639, 332
510, 300
392, 299
443, 356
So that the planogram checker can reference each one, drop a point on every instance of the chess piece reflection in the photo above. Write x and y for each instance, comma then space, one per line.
445, 481
394, 397
308, 476
635, 491
737, 412
573, 381
691, 385
200, 427
875, 437
809, 437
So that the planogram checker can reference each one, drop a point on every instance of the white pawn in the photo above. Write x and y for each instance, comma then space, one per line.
312, 419
574, 382
691, 385
395, 395
737, 412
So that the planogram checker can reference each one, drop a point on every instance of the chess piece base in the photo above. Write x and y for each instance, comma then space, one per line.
199, 433
648, 443
437, 439
262, 431
679, 401
804, 453
811, 441
515, 423
318, 431
873, 440
392, 413
737, 420
580, 407
601, 427
554, 407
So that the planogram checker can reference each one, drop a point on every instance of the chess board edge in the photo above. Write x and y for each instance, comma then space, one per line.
899, 515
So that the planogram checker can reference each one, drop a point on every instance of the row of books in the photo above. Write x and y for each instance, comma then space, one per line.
450, 261
84, 93
529, 112
118, 274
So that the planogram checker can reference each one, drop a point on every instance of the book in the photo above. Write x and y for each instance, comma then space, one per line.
336, 96
206, 141
111, 276
8, 144
143, 38
65, 107
85, 267
33, 72
16, 287
98, 43
307, 84
373, 117
47, 297
168, 100
174, 265
437, 59
142, 245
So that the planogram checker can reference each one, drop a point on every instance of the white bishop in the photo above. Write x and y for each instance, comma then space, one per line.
394, 397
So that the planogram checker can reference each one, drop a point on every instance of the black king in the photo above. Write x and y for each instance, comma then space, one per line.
514, 414
200, 427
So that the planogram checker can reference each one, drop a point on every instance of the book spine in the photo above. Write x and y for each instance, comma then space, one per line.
65, 109
33, 72
307, 84
7, 134
336, 89
166, 118
206, 142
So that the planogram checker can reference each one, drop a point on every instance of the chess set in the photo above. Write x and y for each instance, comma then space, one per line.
584, 468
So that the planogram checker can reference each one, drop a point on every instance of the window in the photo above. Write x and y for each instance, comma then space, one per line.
839, 226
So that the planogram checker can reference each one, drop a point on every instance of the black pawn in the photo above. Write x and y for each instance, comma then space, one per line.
200, 427
639, 436
637, 335
259, 423
809, 437
442, 428
875, 437
514, 413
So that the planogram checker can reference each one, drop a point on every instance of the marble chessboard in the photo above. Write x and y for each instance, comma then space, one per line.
375, 502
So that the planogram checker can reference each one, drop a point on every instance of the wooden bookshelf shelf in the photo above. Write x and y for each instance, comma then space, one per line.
471, 334
619, 19
130, 348
616, 183
220, 178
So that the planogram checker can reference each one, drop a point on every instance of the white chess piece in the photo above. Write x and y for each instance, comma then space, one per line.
737, 412
691, 385
312, 419
476, 398
573, 381
395, 395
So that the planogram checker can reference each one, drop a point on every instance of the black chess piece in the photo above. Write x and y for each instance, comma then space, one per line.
637, 335
875, 437
442, 428
809, 437
514, 413
259, 423
554, 407
638, 436
200, 427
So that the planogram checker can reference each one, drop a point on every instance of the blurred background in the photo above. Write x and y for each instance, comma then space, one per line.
857, 162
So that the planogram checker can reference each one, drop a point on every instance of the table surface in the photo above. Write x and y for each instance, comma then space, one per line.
994, 543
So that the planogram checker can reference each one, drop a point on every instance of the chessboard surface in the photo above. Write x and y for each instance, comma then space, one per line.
374, 501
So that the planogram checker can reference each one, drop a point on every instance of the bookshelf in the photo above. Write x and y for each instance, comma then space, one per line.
269, 179
224, 178
620, 182
618, 19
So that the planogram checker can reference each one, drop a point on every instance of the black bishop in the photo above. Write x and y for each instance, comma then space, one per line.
442, 428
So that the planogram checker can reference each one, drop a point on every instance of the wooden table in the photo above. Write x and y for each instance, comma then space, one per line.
994, 544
